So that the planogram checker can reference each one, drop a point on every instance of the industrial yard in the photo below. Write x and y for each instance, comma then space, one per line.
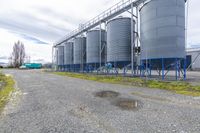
51, 103
149, 42
127, 70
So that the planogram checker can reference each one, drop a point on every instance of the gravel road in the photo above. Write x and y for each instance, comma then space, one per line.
47, 103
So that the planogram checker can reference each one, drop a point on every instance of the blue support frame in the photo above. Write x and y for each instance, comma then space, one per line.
163, 69
163, 64
119, 64
93, 66
61, 68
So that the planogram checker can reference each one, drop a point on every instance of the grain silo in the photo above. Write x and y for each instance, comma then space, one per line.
119, 41
93, 48
162, 25
79, 53
56, 58
68, 55
60, 57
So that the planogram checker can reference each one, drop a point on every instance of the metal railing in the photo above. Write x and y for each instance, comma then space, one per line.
115, 10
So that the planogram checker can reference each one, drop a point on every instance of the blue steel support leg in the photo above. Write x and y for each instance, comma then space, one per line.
185, 63
179, 69
163, 69
143, 69
176, 69
150, 68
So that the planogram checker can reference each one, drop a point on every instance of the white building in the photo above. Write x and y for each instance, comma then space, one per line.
193, 57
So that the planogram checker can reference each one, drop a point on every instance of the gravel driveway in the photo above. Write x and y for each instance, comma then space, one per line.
48, 103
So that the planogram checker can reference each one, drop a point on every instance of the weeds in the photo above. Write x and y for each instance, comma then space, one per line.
177, 87
5, 89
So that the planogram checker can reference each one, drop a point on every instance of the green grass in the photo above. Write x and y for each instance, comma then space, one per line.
5, 90
177, 87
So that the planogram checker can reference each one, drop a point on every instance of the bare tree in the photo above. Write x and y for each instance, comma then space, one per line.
22, 54
18, 54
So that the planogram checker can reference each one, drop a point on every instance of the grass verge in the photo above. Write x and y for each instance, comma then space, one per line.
6, 87
177, 87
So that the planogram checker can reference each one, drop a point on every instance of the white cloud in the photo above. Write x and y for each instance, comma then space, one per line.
45, 21
193, 22
32, 49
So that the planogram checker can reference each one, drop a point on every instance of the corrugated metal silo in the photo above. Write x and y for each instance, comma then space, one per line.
60, 55
93, 46
163, 29
56, 57
79, 50
68, 51
119, 41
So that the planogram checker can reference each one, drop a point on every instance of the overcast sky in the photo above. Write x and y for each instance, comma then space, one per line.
39, 23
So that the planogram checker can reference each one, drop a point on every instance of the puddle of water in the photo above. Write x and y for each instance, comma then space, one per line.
126, 104
107, 94
123, 103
